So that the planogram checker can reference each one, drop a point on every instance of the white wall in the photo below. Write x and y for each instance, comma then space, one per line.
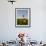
8, 31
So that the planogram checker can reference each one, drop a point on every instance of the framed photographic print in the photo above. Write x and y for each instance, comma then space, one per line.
22, 17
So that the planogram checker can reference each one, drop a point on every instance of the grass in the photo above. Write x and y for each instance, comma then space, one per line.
22, 21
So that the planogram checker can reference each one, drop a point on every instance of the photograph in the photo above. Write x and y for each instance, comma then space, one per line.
22, 17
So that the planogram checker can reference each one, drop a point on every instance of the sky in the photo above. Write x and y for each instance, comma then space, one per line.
20, 13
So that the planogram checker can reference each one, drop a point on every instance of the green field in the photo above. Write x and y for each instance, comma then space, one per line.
22, 21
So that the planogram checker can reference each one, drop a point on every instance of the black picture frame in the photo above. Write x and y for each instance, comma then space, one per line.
22, 17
